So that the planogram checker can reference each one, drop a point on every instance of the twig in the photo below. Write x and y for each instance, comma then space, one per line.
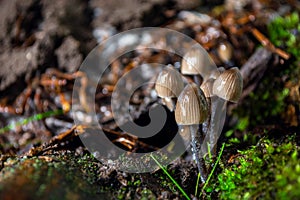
267, 43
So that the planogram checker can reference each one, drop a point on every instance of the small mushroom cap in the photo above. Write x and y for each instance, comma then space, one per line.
196, 62
229, 85
207, 88
169, 83
225, 51
191, 107
216, 73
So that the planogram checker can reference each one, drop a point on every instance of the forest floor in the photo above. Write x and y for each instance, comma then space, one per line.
43, 44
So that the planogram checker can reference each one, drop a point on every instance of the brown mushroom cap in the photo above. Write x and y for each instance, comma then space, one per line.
191, 107
216, 73
207, 88
225, 51
229, 85
169, 83
196, 62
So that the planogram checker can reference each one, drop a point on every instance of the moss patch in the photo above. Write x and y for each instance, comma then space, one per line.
47, 177
269, 170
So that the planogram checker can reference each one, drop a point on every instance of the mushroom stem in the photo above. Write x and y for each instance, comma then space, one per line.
217, 119
206, 123
185, 134
198, 79
196, 147
169, 102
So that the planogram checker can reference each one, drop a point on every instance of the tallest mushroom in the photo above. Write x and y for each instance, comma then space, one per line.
191, 111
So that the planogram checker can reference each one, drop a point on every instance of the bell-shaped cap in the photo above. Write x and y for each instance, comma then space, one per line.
225, 51
229, 85
191, 107
197, 62
216, 73
207, 88
169, 83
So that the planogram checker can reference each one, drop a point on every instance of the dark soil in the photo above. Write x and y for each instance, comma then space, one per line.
35, 33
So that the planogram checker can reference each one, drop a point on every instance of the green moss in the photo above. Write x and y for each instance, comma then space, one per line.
284, 33
48, 178
268, 101
147, 195
265, 104
269, 170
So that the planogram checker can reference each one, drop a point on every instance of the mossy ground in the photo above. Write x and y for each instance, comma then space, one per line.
65, 175
49, 177
268, 170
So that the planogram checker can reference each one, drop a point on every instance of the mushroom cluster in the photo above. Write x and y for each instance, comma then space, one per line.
199, 103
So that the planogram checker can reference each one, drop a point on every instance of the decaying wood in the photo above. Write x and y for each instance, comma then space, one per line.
254, 69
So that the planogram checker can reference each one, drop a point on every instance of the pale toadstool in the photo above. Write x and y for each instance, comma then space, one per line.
225, 52
168, 85
191, 111
227, 87
207, 87
197, 62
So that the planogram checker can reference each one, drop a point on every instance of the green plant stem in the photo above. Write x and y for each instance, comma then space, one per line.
197, 183
214, 168
35, 117
170, 177
209, 152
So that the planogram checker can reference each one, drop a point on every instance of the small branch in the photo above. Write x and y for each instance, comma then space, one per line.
267, 43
